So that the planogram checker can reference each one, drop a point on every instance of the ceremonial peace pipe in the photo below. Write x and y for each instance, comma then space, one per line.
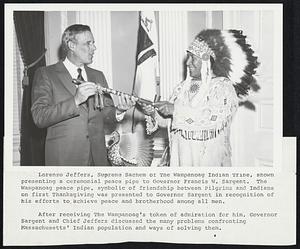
99, 99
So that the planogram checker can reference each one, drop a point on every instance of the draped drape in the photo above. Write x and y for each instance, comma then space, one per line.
29, 26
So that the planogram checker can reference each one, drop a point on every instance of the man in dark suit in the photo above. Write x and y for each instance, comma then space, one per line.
75, 130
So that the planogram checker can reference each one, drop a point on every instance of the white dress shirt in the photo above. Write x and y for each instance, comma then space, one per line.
72, 69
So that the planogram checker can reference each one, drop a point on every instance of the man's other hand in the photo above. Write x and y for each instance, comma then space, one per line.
125, 102
148, 109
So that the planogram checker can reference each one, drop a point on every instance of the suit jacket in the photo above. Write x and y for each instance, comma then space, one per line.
73, 133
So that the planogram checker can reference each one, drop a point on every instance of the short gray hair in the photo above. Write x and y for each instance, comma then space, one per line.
69, 35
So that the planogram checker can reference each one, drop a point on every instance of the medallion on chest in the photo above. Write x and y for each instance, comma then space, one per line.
194, 88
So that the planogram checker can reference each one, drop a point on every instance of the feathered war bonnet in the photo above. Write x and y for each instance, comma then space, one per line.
229, 55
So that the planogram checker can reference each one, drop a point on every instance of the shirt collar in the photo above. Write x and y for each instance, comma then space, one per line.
72, 69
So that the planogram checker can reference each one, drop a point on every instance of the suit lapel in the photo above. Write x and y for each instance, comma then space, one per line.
92, 78
90, 75
66, 80
65, 77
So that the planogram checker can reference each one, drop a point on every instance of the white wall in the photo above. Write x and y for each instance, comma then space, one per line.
55, 23
252, 131
124, 30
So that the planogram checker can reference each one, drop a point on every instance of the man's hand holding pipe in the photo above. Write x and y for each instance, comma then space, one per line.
84, 91
148, 109
125, 102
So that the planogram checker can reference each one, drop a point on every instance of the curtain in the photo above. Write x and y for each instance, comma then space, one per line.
29, 27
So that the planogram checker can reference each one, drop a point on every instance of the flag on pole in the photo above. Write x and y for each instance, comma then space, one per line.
146, 57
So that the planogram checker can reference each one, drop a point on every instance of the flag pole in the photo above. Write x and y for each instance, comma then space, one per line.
133, 86
145, 72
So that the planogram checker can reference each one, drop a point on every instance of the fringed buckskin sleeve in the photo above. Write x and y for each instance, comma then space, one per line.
152, 123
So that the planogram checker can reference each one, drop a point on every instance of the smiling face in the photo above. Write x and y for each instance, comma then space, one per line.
82, 48
194, 64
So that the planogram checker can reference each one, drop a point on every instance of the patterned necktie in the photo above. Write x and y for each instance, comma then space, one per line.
79, 77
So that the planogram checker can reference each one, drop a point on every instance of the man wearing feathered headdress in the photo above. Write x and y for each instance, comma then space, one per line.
220, 66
